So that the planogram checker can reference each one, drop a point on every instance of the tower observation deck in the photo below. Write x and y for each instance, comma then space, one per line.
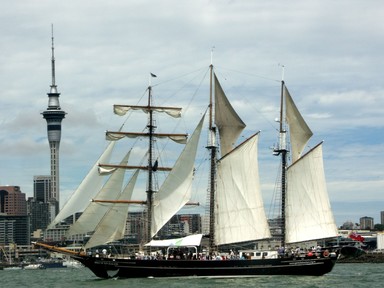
54, 115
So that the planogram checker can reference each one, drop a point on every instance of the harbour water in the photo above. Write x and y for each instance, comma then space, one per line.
343, 275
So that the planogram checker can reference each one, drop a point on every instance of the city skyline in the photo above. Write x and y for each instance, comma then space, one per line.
105, 55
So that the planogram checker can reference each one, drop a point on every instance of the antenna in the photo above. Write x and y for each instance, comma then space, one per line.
53, 60
213, 47
282, 71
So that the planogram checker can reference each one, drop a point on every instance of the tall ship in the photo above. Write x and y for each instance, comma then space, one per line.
236, 210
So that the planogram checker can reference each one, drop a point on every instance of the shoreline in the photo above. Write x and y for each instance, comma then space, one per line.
365, 258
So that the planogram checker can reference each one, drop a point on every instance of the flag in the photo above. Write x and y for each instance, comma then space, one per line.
155, 165
153, 75
356, 237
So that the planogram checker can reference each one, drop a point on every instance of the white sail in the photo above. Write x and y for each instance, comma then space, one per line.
226, 119
86, 190
92, 215
308, 210
115, 136
176, 189
240, 214
121, 110
298, 129
190, 240
112, 225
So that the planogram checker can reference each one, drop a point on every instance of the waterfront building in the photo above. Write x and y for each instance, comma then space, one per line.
14, 230
382, 217
14, 220
366, 223
180, 224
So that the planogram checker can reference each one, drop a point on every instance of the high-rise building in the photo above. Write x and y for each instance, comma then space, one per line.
42, 188
39, 215
14, 230
366, 223
382, 217
12, 201
54, 115
14, 222
178, 225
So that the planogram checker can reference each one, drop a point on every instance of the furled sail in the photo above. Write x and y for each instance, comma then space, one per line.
121, 110
115, 136
308, 210
176, 189
240, 214
92, 215
226, 119
86, 190
106, 171
298, 129
112, 225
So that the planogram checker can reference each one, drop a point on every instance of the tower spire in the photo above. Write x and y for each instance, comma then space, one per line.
53, 102
53, 86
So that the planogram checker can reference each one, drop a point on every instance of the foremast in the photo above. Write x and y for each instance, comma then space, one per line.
150, 190
213, 158
152, 164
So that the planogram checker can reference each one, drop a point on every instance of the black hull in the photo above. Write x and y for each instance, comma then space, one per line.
126, 268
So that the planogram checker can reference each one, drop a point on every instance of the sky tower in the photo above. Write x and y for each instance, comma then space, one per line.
54, 115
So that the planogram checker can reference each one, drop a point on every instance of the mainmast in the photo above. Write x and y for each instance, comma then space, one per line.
282, 151
213, 150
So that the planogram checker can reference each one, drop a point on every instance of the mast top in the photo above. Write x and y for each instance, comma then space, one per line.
282, 71
53, 85
151, 75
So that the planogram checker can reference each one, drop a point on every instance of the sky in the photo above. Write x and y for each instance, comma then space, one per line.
104, 51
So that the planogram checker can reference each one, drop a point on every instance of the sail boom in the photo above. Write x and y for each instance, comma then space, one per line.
133, 167
141, 202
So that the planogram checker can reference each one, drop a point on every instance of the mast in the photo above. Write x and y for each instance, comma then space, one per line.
152, 164
150, 190
212, 147
282, 151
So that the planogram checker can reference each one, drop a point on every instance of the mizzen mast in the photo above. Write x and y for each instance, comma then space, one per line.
213, 151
